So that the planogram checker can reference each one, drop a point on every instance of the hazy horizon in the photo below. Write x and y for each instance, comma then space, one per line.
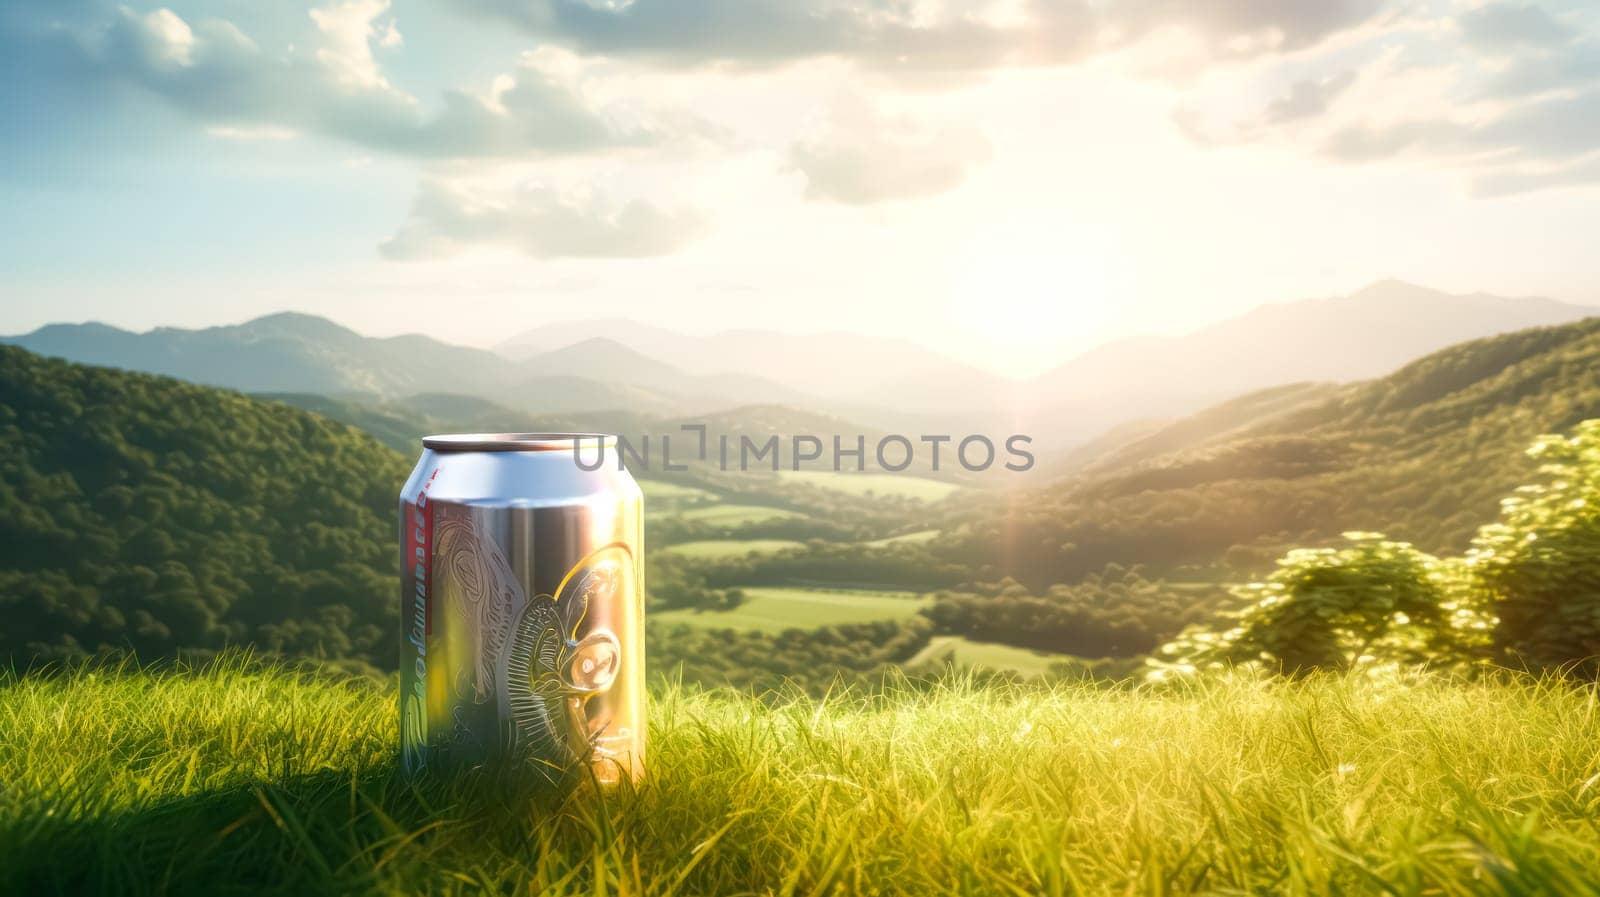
579, 323
1009, 184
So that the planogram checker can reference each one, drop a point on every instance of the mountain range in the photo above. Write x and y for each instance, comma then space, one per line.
1366, 334
298, 353
614, 365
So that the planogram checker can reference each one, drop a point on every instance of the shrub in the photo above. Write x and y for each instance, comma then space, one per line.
1540, 564
1373, 600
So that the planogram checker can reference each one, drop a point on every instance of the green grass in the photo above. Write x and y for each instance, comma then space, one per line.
961, 652
716, 549
902, 485
775, 610
736, 515
232, 782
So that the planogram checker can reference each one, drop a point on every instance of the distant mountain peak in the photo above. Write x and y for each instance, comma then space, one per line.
596, 350
1390, 287
603, 343
87, 328
295, 323
559, 334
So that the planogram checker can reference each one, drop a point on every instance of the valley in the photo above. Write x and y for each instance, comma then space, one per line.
1116, 546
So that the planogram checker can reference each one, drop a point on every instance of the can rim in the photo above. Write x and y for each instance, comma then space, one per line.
516, 442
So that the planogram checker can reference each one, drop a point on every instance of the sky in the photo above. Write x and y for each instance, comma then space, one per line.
1010, 183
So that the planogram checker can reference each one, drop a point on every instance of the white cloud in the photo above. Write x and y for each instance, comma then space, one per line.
336, 88
1307, 98
1509, 27
539, 221
865, 156
933, 36
228, 132
159, 40
1507, 95
1528, 179
349, 29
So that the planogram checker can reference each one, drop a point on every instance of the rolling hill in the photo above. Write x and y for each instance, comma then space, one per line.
1424, 454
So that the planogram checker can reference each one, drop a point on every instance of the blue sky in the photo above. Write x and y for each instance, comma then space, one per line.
1010, 182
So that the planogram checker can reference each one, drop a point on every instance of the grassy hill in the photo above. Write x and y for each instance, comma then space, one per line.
1424, 455
1235, 417
231, 781
141, 513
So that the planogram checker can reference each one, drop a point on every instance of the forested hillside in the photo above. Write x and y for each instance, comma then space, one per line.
138, 512
148, 515
1424, 455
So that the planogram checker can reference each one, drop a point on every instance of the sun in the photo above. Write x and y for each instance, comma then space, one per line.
1028, 300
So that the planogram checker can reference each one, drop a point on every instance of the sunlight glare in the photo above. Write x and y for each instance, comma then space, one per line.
1027, 295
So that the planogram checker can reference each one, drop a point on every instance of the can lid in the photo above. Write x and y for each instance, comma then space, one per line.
516, 442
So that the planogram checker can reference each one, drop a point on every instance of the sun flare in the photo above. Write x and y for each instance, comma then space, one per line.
1025, 296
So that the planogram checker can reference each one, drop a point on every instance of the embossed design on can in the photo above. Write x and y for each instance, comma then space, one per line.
555, 672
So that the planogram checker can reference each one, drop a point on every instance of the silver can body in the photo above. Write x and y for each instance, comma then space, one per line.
522, 621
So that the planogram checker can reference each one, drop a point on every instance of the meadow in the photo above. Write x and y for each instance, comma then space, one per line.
233, 780
911, 538
775, 610
736, 514
716, 549
965, 653
879, 484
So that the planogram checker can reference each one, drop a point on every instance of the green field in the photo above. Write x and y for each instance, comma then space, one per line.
775, 610
736, 515
954, 649
889, 484
921, 535
716, 549
234, 782
659, 495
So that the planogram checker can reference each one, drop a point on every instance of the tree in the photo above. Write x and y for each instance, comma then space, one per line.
1374, 600
1540, 564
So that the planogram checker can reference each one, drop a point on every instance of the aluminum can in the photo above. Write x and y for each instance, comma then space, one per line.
521, 618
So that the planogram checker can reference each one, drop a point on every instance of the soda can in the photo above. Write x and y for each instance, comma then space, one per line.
522, 608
